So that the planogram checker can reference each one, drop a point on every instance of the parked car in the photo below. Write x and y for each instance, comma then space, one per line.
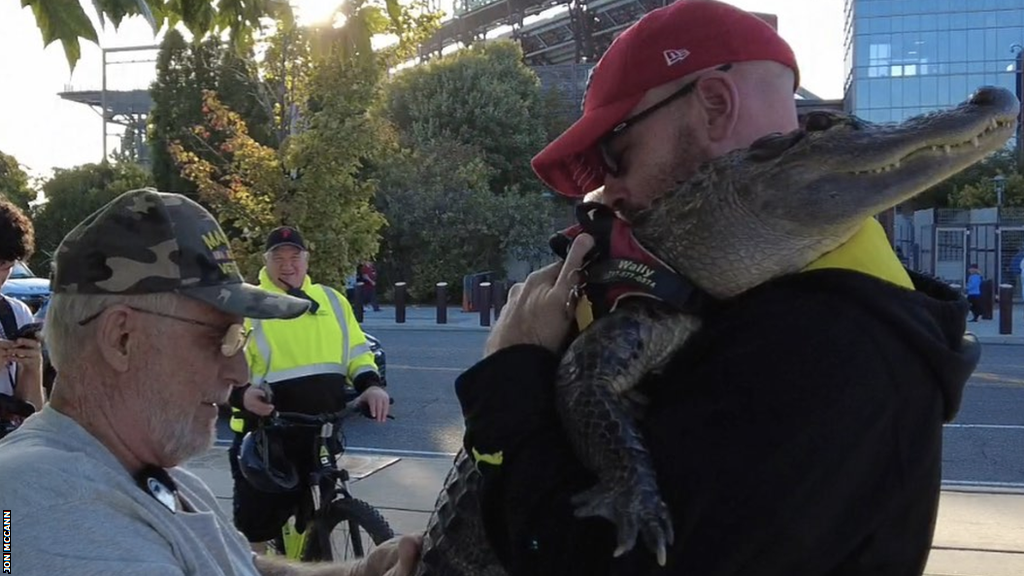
24, 285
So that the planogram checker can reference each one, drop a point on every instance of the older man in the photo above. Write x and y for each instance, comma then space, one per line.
145, 329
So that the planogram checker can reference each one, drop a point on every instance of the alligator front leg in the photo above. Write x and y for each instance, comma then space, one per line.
597, 373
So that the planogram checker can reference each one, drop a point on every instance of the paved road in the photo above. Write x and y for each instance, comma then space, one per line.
984, 445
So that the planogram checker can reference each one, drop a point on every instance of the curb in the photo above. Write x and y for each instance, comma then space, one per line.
425, 327
1004, 340
1001, 340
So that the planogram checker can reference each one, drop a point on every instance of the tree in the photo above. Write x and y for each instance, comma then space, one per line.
251, 190
14, 182
982, 193
67, 21
484, 97
945, 194
184, 70
323, 83
444, 222
74, 193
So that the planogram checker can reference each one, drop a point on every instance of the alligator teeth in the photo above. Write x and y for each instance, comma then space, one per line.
993, 124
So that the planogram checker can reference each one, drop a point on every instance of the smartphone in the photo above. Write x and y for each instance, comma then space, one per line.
30, 330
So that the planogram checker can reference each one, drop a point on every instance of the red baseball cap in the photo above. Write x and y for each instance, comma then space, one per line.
665, 45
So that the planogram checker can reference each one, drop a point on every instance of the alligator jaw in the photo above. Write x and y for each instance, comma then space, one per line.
997, 129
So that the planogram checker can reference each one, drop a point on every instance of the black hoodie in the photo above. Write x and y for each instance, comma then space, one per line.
799, 432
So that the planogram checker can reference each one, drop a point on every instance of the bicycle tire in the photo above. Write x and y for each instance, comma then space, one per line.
352, 510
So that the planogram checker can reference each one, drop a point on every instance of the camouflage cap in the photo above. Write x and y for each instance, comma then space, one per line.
148, 242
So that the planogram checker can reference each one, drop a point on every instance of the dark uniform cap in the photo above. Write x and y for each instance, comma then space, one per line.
149, 242
285, 236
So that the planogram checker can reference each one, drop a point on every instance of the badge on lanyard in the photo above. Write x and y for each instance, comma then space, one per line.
158, 484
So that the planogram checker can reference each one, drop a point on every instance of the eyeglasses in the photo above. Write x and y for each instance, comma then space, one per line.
610, 161
234, 340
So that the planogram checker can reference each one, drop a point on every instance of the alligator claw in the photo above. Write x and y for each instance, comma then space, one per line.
631, 511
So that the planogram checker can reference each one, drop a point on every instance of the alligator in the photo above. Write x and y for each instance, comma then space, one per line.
743, 219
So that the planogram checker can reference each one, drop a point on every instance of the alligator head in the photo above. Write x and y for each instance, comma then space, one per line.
775, 207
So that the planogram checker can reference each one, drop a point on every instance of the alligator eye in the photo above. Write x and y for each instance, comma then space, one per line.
773, 145
817, 121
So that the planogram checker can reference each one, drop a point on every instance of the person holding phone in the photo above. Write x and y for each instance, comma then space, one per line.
20, 350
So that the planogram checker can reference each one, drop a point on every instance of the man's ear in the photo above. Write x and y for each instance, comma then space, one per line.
114, 332
719, 99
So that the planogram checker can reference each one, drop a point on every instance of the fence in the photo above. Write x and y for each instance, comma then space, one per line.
944, 243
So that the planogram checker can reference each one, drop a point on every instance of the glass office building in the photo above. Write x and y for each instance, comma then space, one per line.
905, 57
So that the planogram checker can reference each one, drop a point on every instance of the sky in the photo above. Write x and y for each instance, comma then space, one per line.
44, 131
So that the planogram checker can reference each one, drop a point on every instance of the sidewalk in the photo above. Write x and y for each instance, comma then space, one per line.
425, 318
978, 533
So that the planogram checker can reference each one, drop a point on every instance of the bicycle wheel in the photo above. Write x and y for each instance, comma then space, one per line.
357, 520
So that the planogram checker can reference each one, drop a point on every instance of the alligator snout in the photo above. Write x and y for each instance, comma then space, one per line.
996, 97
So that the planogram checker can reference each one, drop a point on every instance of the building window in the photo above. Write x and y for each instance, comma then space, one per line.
878, 60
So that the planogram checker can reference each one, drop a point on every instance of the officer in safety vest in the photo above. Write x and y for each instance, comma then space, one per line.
305, 363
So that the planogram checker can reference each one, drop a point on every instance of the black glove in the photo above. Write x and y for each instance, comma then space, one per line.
365, 380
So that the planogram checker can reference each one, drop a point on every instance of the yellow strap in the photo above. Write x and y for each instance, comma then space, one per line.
493, 459
868, 251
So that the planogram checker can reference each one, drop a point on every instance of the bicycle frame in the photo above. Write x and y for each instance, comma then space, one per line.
326, 481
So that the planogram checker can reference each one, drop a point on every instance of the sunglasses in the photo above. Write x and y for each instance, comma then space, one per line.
610, 160
234, 340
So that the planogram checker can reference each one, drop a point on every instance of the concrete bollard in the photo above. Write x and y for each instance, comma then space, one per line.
357, 302
988, 297
499, 296
442, 302
485, 303
400, 302
1006, 308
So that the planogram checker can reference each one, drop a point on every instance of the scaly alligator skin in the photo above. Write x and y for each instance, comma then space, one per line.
743, 219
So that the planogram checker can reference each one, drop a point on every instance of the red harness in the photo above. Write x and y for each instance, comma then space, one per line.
619, 266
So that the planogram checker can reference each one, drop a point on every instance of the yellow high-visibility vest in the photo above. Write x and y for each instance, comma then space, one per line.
329, 341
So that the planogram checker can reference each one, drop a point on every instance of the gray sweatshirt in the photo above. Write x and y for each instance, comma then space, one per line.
74, 509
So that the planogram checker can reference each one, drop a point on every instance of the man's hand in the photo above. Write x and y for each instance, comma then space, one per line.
536, 310
255, 400
396, 557
26, 352
377, 399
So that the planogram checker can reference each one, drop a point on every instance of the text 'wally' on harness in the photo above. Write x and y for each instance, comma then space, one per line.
619, 266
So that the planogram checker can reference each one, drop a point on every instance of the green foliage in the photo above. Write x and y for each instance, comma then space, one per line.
183, 71
66, 20
948, 193
484, 97
443, 222
983, 194
75, 193
318, 86
251, 189
14, 182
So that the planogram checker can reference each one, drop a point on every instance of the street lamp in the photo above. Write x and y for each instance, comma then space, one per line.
1000, 183
1018, 49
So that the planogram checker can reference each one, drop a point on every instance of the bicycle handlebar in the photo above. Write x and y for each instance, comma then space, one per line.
316, 420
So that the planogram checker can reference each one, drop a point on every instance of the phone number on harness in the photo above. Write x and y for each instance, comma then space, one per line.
7, 541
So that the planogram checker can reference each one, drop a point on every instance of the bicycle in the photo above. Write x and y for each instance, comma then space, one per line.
307, 534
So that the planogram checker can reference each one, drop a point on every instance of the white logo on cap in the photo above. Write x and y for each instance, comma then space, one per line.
675, 56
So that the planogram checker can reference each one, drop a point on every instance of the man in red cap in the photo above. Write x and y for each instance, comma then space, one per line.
799, 432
